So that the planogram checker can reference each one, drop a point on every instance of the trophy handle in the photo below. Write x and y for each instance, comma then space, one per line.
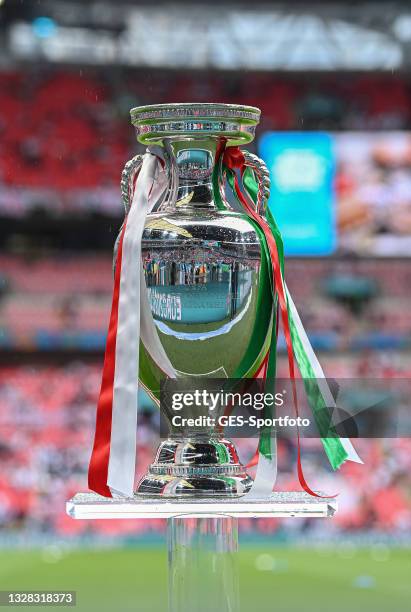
128, 182
131, 172
262, 175
128, 178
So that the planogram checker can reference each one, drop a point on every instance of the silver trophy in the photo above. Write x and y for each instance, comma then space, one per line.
203, 274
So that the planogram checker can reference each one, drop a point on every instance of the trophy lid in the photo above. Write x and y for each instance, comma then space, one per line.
235, 122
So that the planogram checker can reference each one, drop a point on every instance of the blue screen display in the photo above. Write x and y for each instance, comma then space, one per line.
302, 169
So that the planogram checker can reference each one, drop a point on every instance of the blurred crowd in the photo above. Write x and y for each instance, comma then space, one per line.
63, 302
65, 134
64, 138
47, 419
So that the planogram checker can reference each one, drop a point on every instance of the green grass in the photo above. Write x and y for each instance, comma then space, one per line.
135, 579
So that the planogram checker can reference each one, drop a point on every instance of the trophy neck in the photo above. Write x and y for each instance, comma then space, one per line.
194, 158
192, 131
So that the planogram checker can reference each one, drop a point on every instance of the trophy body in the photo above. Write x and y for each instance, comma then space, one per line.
202, 270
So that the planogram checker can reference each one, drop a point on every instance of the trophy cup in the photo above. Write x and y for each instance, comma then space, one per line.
202, 267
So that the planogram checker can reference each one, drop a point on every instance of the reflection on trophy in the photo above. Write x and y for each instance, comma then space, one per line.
202, 270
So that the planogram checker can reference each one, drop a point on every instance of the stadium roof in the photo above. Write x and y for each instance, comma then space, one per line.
263, 36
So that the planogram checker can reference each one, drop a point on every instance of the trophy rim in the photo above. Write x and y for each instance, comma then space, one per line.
236, 122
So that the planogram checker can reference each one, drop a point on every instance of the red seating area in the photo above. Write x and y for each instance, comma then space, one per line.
72, 295
385, 312
58, 131
67, 296
69, 129
61, 276
46, 429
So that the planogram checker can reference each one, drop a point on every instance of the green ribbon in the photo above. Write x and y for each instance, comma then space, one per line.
332, 444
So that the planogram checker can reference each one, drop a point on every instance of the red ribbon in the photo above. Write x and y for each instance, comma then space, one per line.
98, 468
100, 456
233, 159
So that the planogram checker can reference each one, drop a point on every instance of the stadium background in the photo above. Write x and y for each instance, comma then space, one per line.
69, 73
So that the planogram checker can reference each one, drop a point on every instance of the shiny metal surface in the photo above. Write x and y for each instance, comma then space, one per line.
212, 486
210, 466
235, 122
130, 171
261, 171
202, 274
202, 268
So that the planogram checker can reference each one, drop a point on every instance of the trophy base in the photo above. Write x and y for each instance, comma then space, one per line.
195, 486
195, 468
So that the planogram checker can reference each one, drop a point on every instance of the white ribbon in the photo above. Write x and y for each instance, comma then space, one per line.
266, 474
151, 183
328, 397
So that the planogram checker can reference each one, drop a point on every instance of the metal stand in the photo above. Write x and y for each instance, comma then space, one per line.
202, 564
202, 538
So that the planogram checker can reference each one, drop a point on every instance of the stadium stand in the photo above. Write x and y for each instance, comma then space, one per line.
64, 138
46, 422
47, 303
65, 134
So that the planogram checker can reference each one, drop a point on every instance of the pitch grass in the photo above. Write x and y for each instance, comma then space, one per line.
271, 579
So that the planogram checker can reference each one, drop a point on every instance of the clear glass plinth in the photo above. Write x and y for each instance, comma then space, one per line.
279, 504
202, 564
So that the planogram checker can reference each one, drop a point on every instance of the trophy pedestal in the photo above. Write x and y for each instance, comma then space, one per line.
201, 467
202, 564
202, 537
192, 468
